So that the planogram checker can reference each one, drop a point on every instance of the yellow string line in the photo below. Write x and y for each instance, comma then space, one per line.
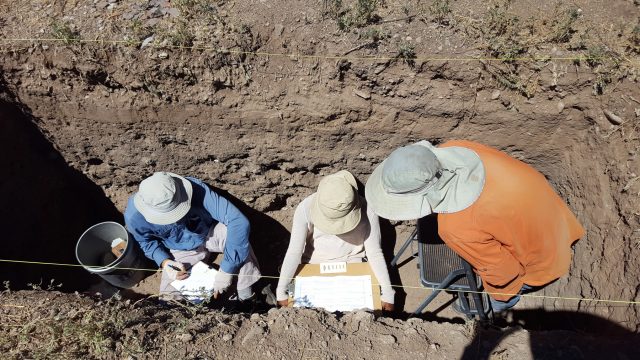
72, 265
10, 305
395, 286
303, 56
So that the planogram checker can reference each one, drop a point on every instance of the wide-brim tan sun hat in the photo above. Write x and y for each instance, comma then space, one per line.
164, 198
335, 207
420, 179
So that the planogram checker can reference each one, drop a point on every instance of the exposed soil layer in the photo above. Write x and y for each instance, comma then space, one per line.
52, 203
55, 325
249, 97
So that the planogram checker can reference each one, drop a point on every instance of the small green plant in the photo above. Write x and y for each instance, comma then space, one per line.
502, 33
578, 42
360, 15
440, 10
513, 82
563, 28
605, 64
180, 35
186, 4
509, 51
635, 34
200, 9
407, 53
374, 34
595, 55
137, 33
92, 332
244, 29
332, 8
139, 30
509, 79
365, 11
406, 10
49, 287
344, 22
634, 39
188, 7
498, 21
601, 81
62, 30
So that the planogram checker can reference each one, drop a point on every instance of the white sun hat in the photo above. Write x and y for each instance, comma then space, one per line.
335, 207
163, 198
419, 179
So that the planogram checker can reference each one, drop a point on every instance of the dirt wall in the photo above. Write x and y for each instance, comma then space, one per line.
48, 204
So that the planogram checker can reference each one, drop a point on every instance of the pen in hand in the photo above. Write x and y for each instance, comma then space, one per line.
175, 268
181, 272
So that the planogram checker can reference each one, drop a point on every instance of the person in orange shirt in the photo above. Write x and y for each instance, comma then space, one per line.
496, 212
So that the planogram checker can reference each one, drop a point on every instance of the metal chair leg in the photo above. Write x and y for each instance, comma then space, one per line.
443, 285
404, 247
477, 299
464, 303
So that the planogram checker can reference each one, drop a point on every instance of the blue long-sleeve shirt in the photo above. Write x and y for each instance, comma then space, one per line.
190, 232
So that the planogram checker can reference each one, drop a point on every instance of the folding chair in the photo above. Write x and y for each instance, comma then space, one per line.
442, 269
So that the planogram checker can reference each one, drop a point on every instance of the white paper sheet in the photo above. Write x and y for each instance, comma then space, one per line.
334, 293
199, 285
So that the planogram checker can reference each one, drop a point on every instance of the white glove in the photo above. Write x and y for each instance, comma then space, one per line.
221, 282
175, 270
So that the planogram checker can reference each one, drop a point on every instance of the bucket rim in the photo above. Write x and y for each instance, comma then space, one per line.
112, 265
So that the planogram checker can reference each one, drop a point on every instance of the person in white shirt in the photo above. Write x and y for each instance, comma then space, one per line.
334, 225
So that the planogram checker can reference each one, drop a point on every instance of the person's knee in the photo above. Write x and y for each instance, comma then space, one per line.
217, 238
220, 231
499, 306
246, 293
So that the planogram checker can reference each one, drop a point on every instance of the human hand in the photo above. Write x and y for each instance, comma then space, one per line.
387, 307
221, 283
175, 270
283, 303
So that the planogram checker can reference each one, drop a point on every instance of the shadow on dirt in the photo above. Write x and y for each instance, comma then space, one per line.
388, 243
268, 237
388, 234
46, 204
601, 338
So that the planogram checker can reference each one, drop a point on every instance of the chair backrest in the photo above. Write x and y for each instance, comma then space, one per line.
439, 264
436, 259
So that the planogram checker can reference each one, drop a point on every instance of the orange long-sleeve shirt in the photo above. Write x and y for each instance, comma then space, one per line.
519, 231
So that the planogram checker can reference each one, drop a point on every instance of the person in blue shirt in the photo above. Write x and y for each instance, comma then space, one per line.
179, 221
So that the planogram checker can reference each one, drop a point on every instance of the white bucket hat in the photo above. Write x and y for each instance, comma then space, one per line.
335, 208
163, 198
419, 179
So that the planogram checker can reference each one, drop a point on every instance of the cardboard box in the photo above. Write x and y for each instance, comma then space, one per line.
353, 269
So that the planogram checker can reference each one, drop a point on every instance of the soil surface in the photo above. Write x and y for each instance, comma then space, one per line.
54, 325
260, 99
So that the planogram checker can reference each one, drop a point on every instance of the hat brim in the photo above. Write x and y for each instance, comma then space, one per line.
334, 226
393, 206
466, 188
185, 191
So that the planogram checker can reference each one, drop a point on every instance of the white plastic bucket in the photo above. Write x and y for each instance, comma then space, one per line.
96, 242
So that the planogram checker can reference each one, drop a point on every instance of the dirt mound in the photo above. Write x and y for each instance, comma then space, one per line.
55, 325
260, 99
